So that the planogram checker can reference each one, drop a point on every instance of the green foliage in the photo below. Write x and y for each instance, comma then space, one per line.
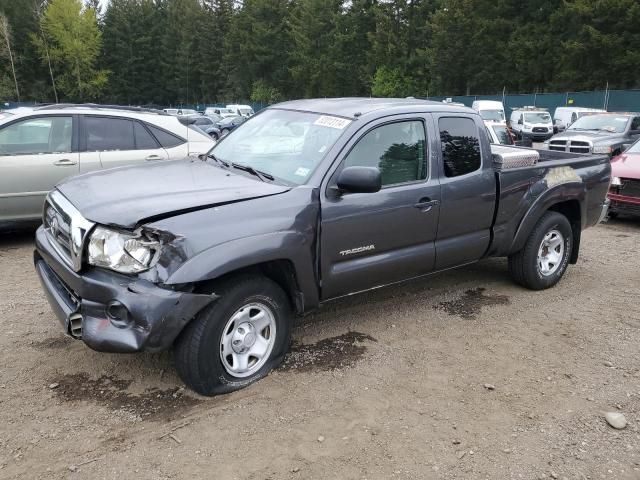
74, 43
391, 82
165, 52
263, 93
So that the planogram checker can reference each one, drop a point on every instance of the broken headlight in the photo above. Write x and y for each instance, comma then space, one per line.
122, 252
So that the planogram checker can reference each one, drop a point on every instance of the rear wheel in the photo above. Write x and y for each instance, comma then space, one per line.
214, 136
236, 340
224, 132
545, 256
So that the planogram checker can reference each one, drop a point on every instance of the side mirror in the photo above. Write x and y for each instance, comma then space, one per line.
360, 180
520, 122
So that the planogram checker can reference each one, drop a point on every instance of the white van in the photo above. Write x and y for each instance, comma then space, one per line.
489, 110
242, 110
531, 123
565, 116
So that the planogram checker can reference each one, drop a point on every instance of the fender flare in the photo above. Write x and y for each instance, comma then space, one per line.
246, 252
556, 195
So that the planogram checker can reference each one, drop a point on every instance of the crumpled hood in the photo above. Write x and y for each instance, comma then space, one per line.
128, 196
587, 136
626, 165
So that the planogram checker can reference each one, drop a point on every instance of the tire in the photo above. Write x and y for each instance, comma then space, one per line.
224, 132
530, 267
200, 356
612, 215
214, 136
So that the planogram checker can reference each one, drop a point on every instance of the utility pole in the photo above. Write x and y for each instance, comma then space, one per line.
6, 35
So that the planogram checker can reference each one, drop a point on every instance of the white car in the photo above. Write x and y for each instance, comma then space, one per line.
180, 111
43, 146
563, 117
499, 133
242, 110
531, 123
489, 110
220, 111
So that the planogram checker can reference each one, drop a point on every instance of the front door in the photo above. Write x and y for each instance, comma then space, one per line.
372, 239
35, 154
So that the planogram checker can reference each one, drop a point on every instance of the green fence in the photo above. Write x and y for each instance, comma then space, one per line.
611, 100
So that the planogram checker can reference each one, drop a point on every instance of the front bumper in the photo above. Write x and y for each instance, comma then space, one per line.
624, 204
536, 137
153, 318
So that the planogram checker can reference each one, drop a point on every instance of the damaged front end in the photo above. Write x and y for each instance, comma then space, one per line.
123, 306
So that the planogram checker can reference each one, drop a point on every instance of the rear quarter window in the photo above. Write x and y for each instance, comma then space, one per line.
166, 139
460, 144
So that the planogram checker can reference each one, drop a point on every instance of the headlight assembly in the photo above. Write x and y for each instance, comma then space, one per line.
122, 252
602, 149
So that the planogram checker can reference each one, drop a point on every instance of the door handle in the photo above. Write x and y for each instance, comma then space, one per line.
426, 204
153, 157
65, 162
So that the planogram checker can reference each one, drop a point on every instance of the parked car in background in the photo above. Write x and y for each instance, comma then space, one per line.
242, 110
227, 124
530, 123
489, 110
499, 133
565, 116
180, 111
607, 133
624, 193
45, 145
221, 111
204, 123
214, 258
213, 116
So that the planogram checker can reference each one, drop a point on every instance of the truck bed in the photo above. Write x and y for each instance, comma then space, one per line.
519, 190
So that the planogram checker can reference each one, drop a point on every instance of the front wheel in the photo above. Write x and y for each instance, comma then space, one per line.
236, 340
545, 256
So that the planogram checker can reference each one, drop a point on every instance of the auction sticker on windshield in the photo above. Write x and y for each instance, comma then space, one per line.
332, 122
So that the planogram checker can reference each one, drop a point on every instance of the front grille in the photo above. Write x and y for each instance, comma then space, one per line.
559, 145
630, 187
66, 229
539, 130
58, 226
573, 146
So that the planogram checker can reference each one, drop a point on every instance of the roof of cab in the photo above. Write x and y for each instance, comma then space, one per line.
356, 106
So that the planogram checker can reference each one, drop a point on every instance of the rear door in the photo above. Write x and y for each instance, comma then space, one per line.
35, 154
468, 190
373, 239
114, 141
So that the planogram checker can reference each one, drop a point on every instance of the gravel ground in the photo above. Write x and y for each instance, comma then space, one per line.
460, 375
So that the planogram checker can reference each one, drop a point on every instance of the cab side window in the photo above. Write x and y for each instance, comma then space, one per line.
635, 124
460, 146
397, 150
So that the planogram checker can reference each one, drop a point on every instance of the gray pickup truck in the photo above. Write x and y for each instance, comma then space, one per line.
307, 202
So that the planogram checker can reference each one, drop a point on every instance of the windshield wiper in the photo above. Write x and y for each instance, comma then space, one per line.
257, 173
221, 162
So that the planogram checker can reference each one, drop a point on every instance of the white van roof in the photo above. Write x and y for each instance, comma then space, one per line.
487, 104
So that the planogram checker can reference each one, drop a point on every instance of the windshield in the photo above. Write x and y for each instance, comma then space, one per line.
538, 117
285, 144
635, 148
503, 134
607, 123
492, 115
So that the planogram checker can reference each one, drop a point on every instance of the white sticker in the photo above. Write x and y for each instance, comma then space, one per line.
322, 149
332, 122
302, 172
621, 119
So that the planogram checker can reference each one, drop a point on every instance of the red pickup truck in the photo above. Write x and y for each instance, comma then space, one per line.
624, 192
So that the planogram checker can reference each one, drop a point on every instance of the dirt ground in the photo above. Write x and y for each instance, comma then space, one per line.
461, 375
